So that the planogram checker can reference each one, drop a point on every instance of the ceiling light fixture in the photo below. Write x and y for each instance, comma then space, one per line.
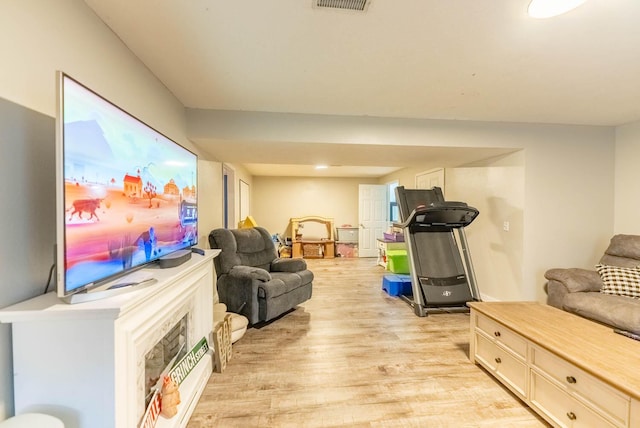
321, 167
550, 8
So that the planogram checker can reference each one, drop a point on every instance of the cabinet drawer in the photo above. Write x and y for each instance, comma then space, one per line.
503, 335
508, 368
560, 407
580, 383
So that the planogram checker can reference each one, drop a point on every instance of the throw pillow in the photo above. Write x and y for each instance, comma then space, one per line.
620, 281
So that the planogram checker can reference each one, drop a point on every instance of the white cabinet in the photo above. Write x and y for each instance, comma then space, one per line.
85, 363
572, 392
384, 246
503, 353
561, 408
532, 354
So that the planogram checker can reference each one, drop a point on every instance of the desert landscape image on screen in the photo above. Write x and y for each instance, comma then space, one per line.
130, 193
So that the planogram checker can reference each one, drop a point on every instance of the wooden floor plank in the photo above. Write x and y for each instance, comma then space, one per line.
353, 356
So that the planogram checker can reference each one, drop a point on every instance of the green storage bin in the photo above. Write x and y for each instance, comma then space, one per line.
397, 261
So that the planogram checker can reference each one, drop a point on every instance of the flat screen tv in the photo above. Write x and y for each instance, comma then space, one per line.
126, 194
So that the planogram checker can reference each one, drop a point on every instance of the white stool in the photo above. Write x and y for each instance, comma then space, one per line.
239, 322
32, 420
239, 325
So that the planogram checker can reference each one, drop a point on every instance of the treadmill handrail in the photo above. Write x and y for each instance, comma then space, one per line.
468, 214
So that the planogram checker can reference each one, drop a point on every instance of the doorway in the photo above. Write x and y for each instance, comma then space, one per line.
228, 196
372, 213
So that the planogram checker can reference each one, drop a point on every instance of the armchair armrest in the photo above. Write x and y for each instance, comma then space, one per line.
576, 279
250, 272
288, 265
238, 289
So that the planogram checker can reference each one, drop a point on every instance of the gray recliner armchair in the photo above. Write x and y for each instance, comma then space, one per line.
252, 280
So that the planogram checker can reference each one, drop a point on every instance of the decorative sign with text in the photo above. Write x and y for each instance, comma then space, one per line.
222, 344
177, 374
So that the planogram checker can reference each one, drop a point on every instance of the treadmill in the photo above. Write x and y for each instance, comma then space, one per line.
442, 277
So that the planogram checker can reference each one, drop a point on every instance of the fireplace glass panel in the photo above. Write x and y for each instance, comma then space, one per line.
162, 357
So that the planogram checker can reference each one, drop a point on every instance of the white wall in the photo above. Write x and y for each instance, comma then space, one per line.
568, 213
38, 38
496, 189
405, 177
627, 203
241, 174
42, 37
209, 199
277, 199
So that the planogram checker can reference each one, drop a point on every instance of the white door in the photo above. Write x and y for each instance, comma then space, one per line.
373, 216
430, 179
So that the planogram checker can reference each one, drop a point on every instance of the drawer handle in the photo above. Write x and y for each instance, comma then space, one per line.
572, 416
571, 379
496, 333
498, 360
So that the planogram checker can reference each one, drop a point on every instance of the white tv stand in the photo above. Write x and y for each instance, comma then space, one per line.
84, 363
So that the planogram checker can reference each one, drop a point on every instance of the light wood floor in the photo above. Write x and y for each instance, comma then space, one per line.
353, 356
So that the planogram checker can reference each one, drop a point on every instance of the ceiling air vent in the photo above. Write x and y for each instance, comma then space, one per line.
359, 5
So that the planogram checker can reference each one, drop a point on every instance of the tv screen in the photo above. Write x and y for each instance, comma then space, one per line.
126, 193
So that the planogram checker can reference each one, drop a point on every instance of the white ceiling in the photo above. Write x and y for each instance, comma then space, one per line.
346, 160
483, 60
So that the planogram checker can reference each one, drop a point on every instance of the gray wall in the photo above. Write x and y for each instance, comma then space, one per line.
627, 203
28, 213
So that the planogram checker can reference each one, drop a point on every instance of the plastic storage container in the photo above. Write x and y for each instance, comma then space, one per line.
397, 261
394, 236
347, 234
396, 285
347, 249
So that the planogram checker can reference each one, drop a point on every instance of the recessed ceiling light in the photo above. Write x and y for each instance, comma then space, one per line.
550, 8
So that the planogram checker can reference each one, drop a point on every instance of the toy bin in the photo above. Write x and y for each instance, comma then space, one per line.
347, 234
346, 249
393, 236
397, 261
